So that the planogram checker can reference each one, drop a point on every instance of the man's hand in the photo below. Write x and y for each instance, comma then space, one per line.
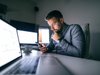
43, 48
55, 36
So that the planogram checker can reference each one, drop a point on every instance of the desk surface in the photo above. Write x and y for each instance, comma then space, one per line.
55, 64
72, 65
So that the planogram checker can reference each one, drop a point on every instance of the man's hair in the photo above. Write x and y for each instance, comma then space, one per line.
55, 13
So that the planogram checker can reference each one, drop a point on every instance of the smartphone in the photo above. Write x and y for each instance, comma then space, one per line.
39, 45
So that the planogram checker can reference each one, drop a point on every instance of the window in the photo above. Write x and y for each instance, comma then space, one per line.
43, 35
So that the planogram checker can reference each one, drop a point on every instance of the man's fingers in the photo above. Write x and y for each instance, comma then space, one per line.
43, 49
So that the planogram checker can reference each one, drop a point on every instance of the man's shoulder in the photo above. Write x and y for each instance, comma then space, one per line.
72, 27
75, 26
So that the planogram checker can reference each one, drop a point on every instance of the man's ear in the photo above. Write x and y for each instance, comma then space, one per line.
62, 20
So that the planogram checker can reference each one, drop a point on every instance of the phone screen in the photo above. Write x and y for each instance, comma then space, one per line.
40, 45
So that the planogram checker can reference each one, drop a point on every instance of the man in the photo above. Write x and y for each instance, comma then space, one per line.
66, 39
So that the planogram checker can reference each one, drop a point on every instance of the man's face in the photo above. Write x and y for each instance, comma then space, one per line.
55, 24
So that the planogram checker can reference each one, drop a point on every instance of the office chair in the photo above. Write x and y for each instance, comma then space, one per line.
87, 38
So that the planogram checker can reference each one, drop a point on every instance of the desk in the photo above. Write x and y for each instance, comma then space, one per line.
55, 64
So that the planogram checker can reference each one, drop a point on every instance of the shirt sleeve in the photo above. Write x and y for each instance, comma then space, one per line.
50, 46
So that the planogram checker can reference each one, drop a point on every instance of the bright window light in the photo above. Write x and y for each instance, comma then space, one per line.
44, 35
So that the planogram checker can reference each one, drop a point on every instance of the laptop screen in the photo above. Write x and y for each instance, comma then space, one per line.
9, 44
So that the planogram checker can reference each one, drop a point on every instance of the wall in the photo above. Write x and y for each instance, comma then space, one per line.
76, 11
21, 10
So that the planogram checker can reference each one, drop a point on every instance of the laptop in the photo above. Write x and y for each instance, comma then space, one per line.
9, 44
10, 51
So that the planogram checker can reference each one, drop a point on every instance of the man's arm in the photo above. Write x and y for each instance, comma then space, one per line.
76, 45
50, 46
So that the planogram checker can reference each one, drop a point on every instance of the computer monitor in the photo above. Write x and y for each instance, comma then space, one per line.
27, 37
9, 43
